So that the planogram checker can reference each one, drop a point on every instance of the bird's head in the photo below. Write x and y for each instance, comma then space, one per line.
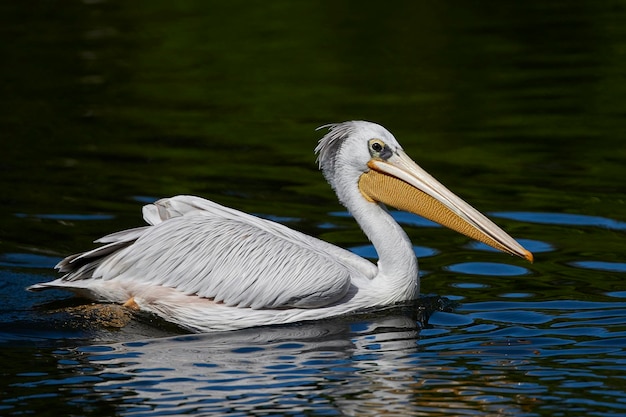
366, 156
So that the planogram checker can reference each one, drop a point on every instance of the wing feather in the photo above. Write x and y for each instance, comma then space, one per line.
202, 248
183, 204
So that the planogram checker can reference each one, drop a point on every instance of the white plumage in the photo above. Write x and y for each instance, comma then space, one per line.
207, 267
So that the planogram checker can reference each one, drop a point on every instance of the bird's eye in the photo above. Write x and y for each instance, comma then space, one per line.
377, 148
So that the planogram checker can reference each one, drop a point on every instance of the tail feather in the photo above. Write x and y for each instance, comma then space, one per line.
81, 265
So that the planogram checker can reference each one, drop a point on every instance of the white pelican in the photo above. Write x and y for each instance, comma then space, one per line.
207, 267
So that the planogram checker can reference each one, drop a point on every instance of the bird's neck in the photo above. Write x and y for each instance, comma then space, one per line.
397, 264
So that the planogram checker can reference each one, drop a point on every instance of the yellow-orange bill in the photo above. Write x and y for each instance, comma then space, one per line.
401, 183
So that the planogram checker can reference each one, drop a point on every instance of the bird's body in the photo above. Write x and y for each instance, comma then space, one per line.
207, 267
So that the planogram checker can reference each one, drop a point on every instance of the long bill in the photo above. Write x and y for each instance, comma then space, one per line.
401, 183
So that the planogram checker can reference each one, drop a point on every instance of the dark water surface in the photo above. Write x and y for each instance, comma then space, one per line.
519, 107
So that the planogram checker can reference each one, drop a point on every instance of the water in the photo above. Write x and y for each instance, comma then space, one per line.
518, 107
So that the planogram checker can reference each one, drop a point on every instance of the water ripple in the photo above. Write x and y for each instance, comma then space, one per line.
27, 260
565, 219
488, 269
510, 358
600, 266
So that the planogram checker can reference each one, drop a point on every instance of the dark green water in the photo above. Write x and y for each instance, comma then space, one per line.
518, 107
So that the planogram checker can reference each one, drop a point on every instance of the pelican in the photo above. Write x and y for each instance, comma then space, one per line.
206, 267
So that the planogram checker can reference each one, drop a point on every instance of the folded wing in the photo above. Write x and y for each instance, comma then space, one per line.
204, 249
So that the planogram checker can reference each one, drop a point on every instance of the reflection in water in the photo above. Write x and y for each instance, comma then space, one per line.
347, 368
496, 358
485, 360
331, 368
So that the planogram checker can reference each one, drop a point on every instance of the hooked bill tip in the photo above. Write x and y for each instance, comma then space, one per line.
529, 256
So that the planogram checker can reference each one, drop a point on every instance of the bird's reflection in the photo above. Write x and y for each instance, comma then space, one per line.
350, 365
369, 364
